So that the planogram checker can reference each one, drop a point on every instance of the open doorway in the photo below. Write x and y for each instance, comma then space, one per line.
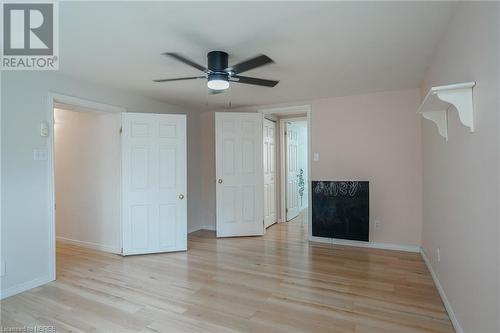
87, 179
117, 179
286, 165
294, 169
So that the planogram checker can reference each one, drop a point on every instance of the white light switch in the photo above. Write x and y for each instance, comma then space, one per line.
40, 154
316, 157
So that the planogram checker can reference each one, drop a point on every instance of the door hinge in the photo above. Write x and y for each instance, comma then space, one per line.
286, 132
121, 250
121, 130
287, 210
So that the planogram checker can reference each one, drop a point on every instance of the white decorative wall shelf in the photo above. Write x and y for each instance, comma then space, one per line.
436, 104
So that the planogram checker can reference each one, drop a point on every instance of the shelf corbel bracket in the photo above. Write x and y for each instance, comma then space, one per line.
440, 118
461, 99
439, 100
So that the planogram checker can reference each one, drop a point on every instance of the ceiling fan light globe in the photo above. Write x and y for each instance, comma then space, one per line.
218, 84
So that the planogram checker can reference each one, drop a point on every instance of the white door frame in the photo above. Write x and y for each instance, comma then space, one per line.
293, 110
81, 105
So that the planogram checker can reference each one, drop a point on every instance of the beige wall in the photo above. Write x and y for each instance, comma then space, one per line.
461, 176
87, 155
373, 137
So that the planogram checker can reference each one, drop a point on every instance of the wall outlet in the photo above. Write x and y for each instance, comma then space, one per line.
438, 254
2, 268
376, 224
316, 157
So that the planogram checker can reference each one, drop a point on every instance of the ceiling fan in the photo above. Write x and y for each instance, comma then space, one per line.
218, 73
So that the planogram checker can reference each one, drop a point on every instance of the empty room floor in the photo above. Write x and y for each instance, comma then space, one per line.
275, 283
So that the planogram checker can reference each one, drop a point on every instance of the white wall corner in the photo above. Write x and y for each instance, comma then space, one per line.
200, 227
440, 289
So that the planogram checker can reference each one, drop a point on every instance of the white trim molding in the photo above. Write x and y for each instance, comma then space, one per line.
296, 109
370, 245
89, 245
80, 104
19, 288
440, 289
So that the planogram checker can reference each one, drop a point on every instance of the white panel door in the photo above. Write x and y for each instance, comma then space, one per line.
292, 172
154, 183
239, 174
269, 172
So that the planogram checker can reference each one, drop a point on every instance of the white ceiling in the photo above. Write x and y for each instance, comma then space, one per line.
321, 49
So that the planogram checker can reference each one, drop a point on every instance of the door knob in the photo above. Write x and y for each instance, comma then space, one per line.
220, 181
181, 196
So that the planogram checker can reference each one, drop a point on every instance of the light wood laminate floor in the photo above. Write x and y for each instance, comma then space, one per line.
275, 283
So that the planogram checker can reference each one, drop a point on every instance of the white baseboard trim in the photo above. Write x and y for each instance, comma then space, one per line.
275, 222
89, 245
201, 227
440, 289
371, 245
320, 240
25, 286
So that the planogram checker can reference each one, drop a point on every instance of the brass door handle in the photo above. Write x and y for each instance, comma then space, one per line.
220, 181
181, 196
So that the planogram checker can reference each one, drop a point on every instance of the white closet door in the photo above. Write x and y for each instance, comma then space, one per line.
292, 172
269, 172
239, 174
154, 183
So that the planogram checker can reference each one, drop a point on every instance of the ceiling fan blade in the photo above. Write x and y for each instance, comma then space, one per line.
249, 64
253, 80
180, 79
185, 60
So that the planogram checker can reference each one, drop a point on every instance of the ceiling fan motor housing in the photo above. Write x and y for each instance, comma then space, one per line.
217, 61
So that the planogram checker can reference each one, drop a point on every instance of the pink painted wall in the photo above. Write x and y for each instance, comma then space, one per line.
462, 176
374, 137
